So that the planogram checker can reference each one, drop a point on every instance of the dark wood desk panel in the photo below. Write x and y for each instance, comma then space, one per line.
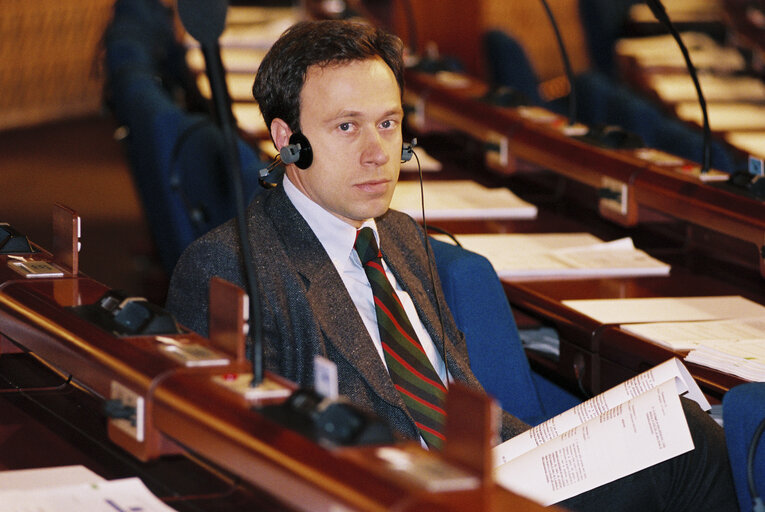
604, 353
67, 427
185, 407
651, 188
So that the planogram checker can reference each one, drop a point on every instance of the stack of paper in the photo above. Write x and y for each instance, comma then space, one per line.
73, 489
561, 255
725, 117
681, 336
460, 199
666, 309
743, 358
676, 87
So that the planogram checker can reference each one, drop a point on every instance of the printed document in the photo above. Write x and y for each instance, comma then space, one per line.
519, 256
630, 427
666, 309
460, 199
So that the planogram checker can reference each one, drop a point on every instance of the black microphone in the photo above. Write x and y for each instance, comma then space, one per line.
205, 20
608, 136
661, 15
566, 64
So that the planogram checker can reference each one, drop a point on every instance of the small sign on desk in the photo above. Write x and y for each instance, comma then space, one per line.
35, 268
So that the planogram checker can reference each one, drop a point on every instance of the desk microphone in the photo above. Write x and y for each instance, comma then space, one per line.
609, 136
657, 8
572, 104
205, 20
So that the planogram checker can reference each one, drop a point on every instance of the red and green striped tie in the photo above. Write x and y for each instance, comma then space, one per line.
409, 366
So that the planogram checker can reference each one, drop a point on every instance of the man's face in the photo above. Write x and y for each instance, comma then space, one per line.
351, 114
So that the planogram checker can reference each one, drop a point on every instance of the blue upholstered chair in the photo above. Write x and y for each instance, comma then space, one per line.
175, 155
743, 410
601, 100
478, 302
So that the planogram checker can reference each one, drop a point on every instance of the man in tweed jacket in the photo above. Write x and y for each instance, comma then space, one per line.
339, 84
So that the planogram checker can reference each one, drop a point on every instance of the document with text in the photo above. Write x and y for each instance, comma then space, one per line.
630, 427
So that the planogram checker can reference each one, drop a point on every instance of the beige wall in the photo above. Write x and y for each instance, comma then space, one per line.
50, 59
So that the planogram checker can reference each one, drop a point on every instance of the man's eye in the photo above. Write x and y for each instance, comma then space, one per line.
345, 127
388, 123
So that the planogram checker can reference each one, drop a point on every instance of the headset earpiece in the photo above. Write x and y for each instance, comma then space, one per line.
407, 150
298, 151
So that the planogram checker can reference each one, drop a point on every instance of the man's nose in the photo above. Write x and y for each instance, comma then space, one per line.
374, 150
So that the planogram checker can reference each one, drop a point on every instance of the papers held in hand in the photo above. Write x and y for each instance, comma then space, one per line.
630, 427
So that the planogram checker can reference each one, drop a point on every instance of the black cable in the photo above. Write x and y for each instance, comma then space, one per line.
757, 503
661, 15
445, 232
572, 107
205, 20
430, 263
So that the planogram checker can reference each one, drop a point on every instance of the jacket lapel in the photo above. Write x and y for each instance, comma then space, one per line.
329, 299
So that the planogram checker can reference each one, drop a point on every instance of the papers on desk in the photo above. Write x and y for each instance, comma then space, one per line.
677, 87
73, 489
726, 333
239, 86
663, 52
561, 255
681, 336
253, 27
460, 199
743, 358
751, 142
735, 346
666, 309
235, 60
725, 117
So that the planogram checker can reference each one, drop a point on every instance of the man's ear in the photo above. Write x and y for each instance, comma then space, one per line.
280, 133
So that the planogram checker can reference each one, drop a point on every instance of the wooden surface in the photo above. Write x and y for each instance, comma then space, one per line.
187, 412
651, 189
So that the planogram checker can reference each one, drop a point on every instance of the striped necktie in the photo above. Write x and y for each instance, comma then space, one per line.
409, 366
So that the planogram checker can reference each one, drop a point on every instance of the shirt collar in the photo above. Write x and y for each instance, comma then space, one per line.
336, 236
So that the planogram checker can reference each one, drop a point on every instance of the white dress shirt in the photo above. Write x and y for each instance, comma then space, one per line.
338, 238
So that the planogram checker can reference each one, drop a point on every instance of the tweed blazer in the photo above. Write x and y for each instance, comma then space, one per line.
307, 309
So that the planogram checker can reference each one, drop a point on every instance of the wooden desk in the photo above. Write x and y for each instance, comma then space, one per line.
186, 412
644, 190
598, 356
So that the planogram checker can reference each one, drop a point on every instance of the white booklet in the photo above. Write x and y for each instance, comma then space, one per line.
630, 427
459, 199
518, 256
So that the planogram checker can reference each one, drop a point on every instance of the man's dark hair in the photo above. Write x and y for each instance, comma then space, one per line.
281, 75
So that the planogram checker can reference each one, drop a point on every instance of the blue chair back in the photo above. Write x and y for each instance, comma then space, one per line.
175, 156
743, 410
479, 305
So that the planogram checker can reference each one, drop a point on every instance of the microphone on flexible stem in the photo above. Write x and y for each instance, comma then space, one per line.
566, 64
205, 20
608, 136
661, 15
